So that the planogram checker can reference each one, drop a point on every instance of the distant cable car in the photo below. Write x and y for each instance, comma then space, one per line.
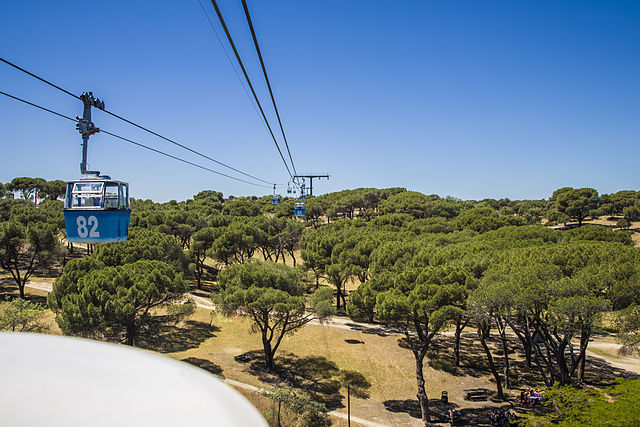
298, 209
275, 199
96, 210
303, 196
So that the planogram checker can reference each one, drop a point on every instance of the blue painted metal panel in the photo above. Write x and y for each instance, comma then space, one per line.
96, 226
298, 209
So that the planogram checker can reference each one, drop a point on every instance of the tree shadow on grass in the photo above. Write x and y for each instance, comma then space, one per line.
316, 375
439, 411
9, 291
205, 292
205, 364
171, 338
382, 331
408, 406
473, 361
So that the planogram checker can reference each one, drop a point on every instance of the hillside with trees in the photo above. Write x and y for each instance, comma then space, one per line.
528, 285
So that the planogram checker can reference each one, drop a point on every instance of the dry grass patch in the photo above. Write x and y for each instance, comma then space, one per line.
316, 354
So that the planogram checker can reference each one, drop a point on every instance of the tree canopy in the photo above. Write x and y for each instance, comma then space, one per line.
272, 296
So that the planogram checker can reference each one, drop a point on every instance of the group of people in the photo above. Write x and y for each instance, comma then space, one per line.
531, 397
501, 418
453, 416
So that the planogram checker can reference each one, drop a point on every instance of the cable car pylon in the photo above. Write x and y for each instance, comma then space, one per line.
311, 178
96, 208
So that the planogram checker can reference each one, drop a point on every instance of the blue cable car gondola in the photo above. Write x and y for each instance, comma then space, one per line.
298, 209
275, 199
96, 210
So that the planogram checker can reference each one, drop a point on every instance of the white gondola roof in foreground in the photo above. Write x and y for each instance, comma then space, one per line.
62, 381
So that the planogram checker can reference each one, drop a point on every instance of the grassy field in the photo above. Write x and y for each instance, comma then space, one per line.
313, 358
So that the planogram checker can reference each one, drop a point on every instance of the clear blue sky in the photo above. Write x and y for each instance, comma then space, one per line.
472, 99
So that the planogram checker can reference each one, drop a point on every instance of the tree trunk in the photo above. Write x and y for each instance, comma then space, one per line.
584, 341
460, 325
422, 393
198, 274
542, 375
483, 334
505, 350
562, 363
343, 296
130, 335
524, 335
527, 354
268, 354
279, 406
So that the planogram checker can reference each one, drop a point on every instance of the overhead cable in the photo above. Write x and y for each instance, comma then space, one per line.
246, 76
181, 160
266, 77
185, 147
38, 106
39, 78
226, 53
138, 126
136, 143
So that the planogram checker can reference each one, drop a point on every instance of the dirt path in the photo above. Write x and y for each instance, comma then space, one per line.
41, 286
631, 364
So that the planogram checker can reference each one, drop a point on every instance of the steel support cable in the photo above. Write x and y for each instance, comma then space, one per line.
185, 147
235, 69
39, 78
246, 76
136, 143
38, 106
226, 53
137, 125
266, 77
182, 160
